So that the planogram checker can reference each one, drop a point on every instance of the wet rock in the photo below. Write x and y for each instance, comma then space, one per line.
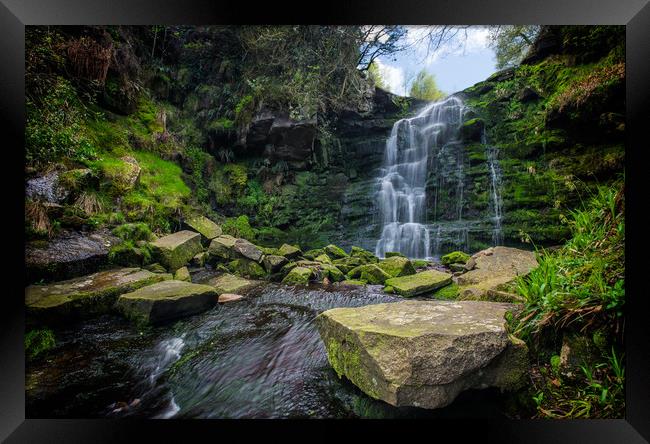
419, 283
289, 251
84, 296
221, 247
335, 252
273, 263
396, 266
201, 224
247, 250
46, 188
369, 273
423, 353
182, 274
69, 254
495, 267
165, 301
175, 250
228, 283
298, 276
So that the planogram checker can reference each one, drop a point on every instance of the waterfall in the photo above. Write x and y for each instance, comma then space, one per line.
402, 180
492, 154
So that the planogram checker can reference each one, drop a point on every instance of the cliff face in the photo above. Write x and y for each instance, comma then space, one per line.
179, 115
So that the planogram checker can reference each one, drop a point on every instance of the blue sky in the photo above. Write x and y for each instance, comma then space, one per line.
457, 65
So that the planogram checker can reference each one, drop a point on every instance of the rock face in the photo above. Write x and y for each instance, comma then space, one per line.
84, 296
419, 283
229, 283
165, 301
423, 353
175, 250
208, 229
67, 255
494, 268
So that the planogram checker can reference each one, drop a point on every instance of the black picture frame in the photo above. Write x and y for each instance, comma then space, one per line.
15, 14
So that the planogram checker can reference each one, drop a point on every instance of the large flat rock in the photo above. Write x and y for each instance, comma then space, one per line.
229, 283
423, 353
201, 224
165, 301
419, 283
175, 250
494, 268
84, 296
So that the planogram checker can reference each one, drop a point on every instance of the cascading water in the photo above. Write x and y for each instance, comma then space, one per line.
402, 196
492, 153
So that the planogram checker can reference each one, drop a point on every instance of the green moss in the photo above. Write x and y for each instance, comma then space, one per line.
456, 257
38, 341
129, 255
139, 231
238, 227
447, 292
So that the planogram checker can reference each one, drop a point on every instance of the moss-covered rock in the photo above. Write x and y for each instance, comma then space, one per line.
455, 257
84, 296
419, 283
313, 254
335, 252
199, 260
156, 268
120, 175
246, 268
332, 272
176, 250
247, 250
221, 247
201, 224
166, 301
290, 251
396, 266
228, 283
353, 282
370, 273
182, 274
325, 259
393, 254
273, 263
364, 256
298, 276
420, 263
423, 353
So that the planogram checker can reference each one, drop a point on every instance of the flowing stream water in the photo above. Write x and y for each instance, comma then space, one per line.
260, 357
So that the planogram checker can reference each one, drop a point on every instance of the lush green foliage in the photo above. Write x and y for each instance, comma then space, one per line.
511, 42
424, 87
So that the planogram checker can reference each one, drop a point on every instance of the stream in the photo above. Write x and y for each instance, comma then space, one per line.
260, 357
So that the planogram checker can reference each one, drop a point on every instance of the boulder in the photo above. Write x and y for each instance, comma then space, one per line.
68, 255
182, 274
325, 259
248, 250
200, 259
175, 250
122, 175
46, 188
364, 256
393, 254
84, 296
494, 268
419, 283
335, 252
298, 276
165, 301
455, 257
352, 282
423, 353
396, 266
201, 224
289, 251
155, 268
228, 283
370, 273
312, 254
246, 268
273, 263
221, 247
331, 272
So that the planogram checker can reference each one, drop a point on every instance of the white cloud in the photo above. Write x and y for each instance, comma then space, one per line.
465, 42
393, 77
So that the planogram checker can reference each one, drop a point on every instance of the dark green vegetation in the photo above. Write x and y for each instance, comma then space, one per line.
275, 134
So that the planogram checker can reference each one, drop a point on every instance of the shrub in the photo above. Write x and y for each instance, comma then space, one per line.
38, 341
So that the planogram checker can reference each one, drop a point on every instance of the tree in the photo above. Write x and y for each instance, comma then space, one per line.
424, 87
511, 42
375, 76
